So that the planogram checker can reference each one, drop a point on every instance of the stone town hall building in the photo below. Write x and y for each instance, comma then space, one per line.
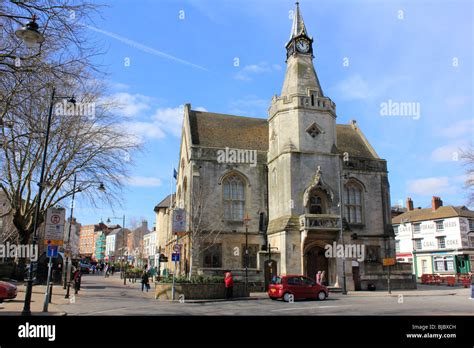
290, 191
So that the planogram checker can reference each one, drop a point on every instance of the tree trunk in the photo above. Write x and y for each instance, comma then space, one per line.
20, 264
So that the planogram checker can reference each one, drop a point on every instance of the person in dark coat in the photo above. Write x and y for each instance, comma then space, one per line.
77, 280
145, 281
229, 285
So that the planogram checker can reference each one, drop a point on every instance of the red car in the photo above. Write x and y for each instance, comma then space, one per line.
7, 291
299, 286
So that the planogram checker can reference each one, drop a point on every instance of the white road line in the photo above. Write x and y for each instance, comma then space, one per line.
298, 308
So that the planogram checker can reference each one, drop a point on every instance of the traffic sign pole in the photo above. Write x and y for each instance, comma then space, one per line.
46, 295
173, 289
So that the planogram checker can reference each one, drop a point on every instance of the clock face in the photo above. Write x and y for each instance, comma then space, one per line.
302, 46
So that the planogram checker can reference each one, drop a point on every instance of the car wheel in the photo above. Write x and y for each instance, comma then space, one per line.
286, 297
321, 296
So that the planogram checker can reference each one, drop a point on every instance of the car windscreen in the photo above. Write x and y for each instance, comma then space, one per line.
276, 280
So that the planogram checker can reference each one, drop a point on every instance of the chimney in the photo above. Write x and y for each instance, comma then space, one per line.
409, 204
436, 202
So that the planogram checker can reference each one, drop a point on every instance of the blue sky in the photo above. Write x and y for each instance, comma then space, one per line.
186, 52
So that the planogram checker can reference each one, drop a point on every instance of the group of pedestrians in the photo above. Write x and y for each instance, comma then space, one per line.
321, 277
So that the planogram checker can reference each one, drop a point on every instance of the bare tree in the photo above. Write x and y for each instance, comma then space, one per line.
468, 157
86, 139
204, 226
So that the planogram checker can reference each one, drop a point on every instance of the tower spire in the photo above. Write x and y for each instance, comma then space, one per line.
298, 27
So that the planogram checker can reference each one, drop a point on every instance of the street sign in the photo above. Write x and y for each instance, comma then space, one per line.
54, 226
179, 221
177, 248
389, 261
175, 257
52, 251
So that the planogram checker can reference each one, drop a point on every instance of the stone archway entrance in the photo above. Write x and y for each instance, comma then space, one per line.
315, 261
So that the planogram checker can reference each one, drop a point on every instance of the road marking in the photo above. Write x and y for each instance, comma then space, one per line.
298, 308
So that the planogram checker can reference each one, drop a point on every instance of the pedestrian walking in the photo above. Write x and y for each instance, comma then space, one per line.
318, 277
472, 286
112, 269
106, 275
229, 286
145, 281
323, 278
77, 280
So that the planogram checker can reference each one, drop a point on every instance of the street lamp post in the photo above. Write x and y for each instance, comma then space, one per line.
29, 33
246, 222
29, 283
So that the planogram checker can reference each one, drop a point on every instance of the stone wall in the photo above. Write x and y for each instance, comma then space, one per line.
197, 291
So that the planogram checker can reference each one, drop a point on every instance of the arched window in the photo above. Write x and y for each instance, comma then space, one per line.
315, 205
234, 198
353, 203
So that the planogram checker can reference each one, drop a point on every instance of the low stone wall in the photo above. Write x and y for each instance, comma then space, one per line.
163, 291
397, 282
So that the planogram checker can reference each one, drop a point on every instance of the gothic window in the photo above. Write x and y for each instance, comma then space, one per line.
252, 252
313, 130
353, 203
315, 205
212, 255
234, 198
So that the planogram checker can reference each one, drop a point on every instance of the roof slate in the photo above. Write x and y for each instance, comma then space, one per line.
429, 214
239, 132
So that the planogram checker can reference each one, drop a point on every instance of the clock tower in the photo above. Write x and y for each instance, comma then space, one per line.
303, 161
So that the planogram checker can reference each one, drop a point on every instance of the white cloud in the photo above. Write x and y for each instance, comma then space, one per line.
459, 129
129, 105
163, 121
143, 181
431, 186
170, 120
449, 152
354, 87
250, 105
246, 73
143, 130
119, 86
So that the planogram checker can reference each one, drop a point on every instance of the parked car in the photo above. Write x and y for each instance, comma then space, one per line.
301, 287
8, 291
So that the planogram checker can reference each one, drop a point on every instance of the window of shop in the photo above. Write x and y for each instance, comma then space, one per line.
439, 226
444, 263
441, 242
396, 230
397, 246
417, 244
416, 228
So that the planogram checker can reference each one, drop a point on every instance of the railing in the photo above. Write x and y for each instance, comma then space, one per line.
320, 222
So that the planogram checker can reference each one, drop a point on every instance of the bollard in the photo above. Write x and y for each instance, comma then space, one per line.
51, 292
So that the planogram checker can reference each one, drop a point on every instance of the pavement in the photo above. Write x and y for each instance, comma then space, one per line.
15, 306
109, 296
